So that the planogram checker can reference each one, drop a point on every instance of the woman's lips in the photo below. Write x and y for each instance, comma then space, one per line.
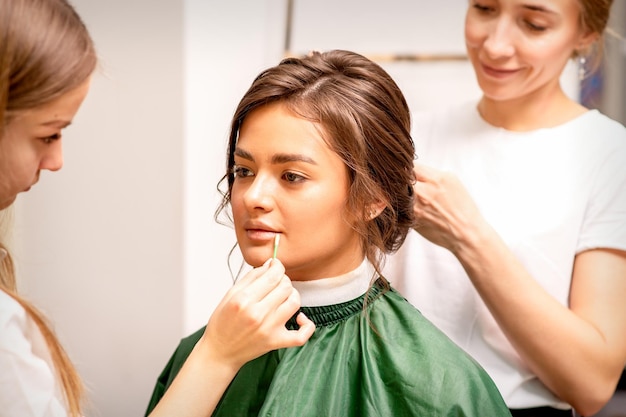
260, 234
497, 72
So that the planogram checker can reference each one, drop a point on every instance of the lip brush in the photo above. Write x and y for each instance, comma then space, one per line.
276, 242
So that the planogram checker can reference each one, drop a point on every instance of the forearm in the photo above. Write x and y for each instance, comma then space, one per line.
566, 351
198, 387
248, 322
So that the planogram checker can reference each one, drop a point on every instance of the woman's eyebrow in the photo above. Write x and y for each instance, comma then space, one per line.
242, 153
279, 158
61, 124
539, 8
282, 158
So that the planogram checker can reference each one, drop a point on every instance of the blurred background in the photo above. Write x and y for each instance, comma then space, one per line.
120, 248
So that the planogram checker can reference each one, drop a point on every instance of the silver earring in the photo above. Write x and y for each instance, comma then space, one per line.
581, 68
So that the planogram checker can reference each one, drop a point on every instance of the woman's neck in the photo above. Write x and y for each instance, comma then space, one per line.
534, 111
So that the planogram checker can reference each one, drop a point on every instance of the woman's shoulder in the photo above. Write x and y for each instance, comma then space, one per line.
10, 310
13, 324
603, 127
415, 326
594, 134
28, 385
597, 116
19, 334
595, 119
408, 337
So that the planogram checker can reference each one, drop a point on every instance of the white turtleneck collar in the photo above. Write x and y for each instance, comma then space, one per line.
335, 290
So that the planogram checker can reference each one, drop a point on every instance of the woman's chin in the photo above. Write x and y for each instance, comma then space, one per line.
256, 257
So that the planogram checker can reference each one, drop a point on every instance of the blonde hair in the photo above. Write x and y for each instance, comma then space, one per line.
71, 383
45, 52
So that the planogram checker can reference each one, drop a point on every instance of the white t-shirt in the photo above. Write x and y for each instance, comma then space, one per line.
28, 383
549, 193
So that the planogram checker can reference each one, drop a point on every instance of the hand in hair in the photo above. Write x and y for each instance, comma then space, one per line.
444, 210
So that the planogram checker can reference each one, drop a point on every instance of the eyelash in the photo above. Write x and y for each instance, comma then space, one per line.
289, 176
298, 177
531, 26
534, 27
49, 139
481, 8
240, 172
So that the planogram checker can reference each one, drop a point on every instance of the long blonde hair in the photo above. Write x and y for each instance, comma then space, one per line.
45, 52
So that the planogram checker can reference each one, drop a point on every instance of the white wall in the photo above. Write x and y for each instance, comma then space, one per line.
120, 248
227, 44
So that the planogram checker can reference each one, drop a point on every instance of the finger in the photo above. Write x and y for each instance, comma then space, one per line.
420, 187
291, 338
254, 273
422, 193
423, 173
307, 327
281, 303
244, 282
286, 310
258, 287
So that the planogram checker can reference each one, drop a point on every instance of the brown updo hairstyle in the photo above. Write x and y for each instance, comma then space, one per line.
45, 52
594, 18
364, 117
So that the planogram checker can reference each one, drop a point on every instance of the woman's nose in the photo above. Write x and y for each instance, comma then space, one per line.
260, 194
53, 159
499, 41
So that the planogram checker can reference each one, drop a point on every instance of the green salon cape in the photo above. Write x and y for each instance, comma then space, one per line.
385, 360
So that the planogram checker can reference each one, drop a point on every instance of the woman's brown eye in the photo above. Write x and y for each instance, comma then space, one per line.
52, 138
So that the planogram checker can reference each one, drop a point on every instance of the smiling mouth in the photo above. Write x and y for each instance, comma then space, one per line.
498, 73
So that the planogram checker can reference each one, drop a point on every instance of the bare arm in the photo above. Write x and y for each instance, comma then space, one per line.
248, 322
577, 352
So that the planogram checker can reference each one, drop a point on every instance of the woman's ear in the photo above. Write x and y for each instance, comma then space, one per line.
586, 40
374, 210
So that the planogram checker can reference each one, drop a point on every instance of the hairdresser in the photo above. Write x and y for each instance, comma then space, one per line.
520, 250
47, 58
